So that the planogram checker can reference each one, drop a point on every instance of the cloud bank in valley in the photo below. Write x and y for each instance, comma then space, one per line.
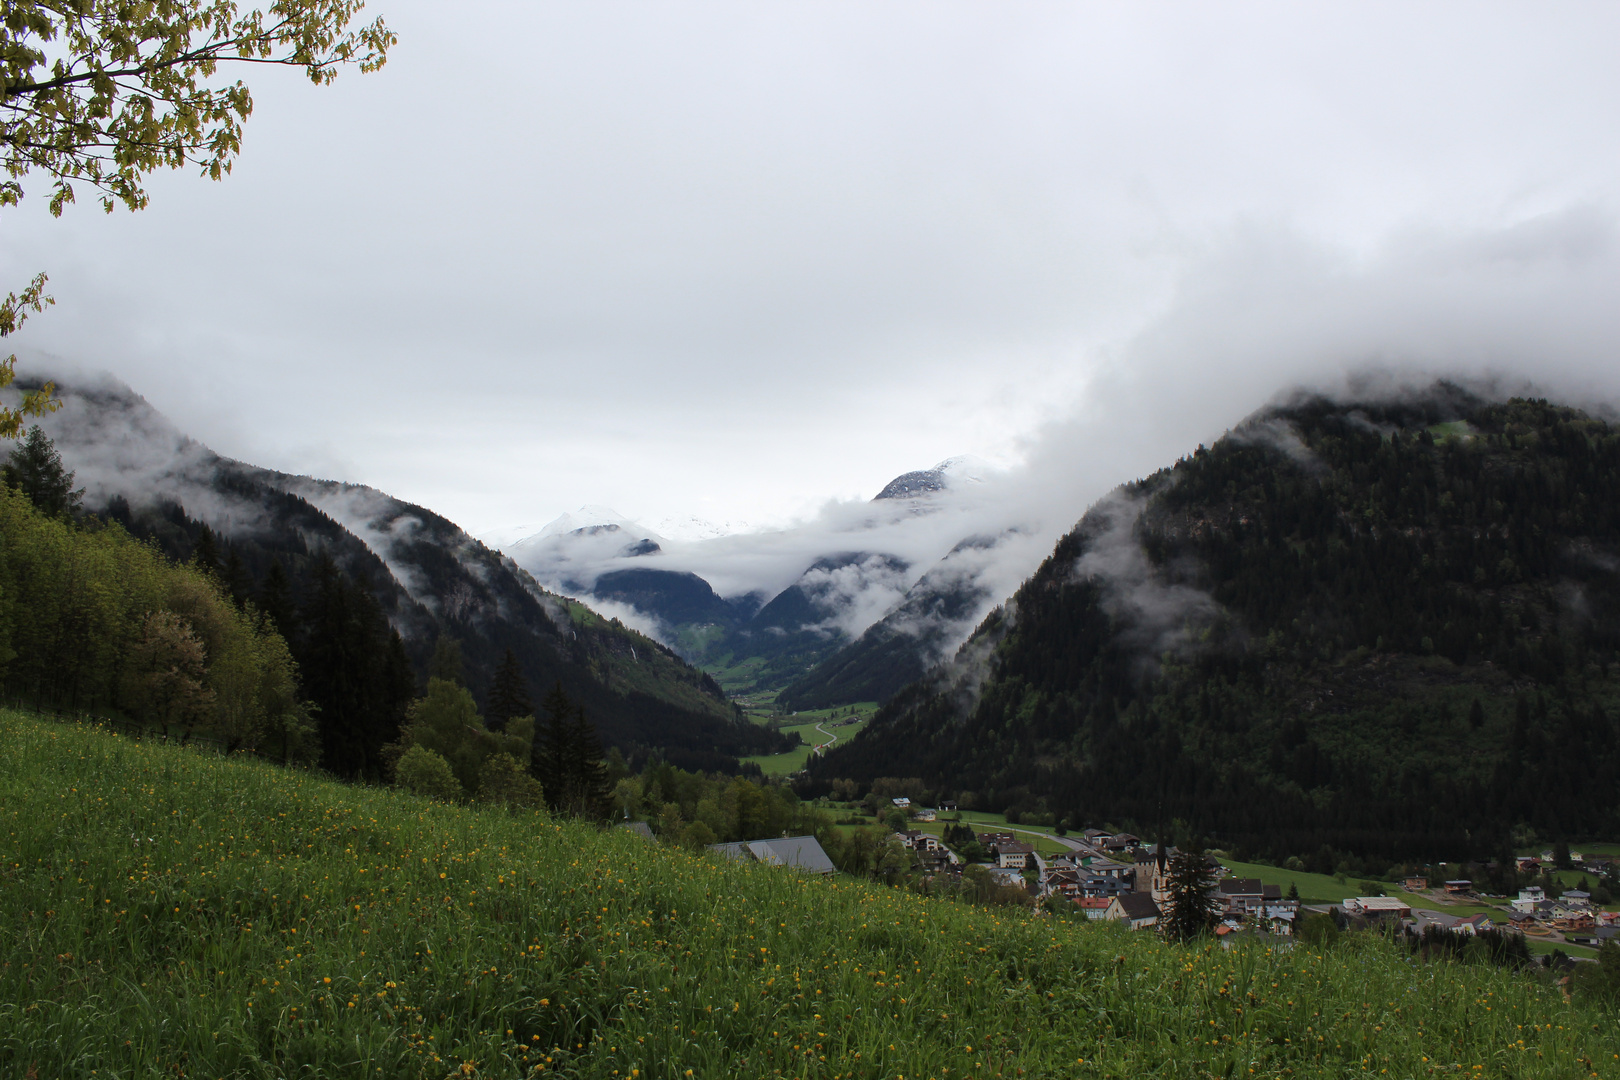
1262, 313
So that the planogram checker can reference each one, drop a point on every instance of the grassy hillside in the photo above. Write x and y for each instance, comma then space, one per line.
166, 913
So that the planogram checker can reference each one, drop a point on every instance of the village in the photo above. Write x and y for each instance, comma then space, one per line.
1115, 877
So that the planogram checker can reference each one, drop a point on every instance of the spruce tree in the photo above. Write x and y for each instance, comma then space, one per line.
588, 786
205, 554
276, 600
236, 579
35, 469
446, 663
396, 690
1191, 909
509, 696
355, 671
550, 757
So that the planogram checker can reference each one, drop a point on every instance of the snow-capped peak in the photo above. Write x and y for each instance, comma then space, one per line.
587, 517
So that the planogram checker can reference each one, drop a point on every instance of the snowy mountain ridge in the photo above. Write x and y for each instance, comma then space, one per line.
792, 597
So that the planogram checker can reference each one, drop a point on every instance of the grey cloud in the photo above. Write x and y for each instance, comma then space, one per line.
1155, 616
852, 238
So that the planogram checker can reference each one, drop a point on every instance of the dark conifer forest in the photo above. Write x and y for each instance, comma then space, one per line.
341, 608
1390, 629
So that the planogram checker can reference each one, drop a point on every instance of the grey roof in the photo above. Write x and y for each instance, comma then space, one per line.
1138, 905
799, 852
640, 828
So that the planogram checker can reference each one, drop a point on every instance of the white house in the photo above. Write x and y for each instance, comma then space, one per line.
1529, 898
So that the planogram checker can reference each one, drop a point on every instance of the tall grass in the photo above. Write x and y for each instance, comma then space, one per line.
169, 913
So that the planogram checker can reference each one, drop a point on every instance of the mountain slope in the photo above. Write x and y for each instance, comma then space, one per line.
1390, 629
935, 615
809, 620
427, 575
762, 609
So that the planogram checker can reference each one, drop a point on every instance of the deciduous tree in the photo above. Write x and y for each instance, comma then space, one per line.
422, 772
503, 780
166, 674
102, 92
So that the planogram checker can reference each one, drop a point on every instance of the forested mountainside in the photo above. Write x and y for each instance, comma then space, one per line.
341, 566
928, 556
764, 645
1388, 629
898, 649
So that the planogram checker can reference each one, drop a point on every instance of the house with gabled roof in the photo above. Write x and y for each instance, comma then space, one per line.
798, 852
1136, 910
1095, 907
1014, 856
917, 840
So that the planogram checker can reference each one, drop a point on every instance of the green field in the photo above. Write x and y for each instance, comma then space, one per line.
1043, 840
794, 760
1540, 947
1313, 888
168, 913
740, 676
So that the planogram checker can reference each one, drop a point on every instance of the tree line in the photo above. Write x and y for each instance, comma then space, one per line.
93, 620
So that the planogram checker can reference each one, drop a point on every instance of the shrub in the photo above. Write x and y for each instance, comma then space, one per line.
503, 780
423, 772
1318, 930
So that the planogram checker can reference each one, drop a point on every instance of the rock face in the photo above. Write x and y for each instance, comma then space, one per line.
912, 484
428, 575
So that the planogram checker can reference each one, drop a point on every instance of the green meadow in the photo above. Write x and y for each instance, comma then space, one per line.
1313, 888
167, 913
837, 724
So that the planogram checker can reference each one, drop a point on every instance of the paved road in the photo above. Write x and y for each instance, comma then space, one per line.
831, 738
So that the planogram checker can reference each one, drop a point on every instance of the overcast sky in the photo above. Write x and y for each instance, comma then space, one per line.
736, 260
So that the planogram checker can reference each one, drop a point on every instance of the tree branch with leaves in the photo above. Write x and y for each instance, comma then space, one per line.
103, 92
